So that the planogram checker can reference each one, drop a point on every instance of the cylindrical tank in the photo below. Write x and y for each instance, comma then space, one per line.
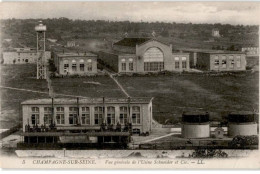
241, 123
40, 27
195, 125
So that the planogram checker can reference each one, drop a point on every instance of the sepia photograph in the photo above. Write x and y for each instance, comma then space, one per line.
129, 85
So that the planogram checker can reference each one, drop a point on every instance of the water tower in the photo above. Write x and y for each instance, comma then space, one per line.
41, 61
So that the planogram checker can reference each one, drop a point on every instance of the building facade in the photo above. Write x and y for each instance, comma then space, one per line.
75, 63
142, 55
23, 56
217, 60
215, 32
250, 51
89, 114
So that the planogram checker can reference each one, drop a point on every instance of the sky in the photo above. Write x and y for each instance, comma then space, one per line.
245, 13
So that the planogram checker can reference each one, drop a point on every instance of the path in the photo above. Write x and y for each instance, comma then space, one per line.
118, 84
28, 90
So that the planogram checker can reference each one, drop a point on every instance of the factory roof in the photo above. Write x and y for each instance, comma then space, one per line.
115, 52
73, 54
210, 51
131, 42
68, 101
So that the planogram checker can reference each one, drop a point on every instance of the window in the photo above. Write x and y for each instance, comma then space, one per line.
131, 65
73, 113
35, 116
231, 62
60, 115
111, 118
47, 115
224, 62
123, 65
89, 65
238, 61
81, 65
85, 117
184, 64
177, 63
136, 115
153, 66
66, 66
123, 115
216, 62
98, 115
74, 65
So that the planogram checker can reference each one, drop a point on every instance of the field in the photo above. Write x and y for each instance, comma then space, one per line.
99, 86
22, 77
175, 93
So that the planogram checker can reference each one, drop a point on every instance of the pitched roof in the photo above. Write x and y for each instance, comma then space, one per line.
131, 42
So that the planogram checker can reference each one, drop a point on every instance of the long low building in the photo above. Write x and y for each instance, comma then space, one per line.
217, 60
75, 63
142, 55
23, 56
88, 114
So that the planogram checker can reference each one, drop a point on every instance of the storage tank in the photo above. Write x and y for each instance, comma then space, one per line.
195, 125
242, 123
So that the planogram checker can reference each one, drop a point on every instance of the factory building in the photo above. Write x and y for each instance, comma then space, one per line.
75, 63
242, 123
217, 60
215, 32
142, 55
89, 114
23, 56
250, 51
195, 125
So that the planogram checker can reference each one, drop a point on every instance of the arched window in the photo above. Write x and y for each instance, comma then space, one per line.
184, 62
35, 116
60, 115
123, 115
74, 65
47, 115
98, 114
85, 117
81, 65
73, 113
89, 65
131, 64
66, 66
153, 59
123, 65
111, 118
177, 62
136, 115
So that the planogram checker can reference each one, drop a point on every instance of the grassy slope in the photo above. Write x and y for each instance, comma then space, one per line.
100, 86
18, 76
177, 93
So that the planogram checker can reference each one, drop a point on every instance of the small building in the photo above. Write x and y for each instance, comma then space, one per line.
195, 125
242, 123
88, 114
75, 63
142, 55
219, 132
23, 56
217, 60
250, 51
71, 43
215, 32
